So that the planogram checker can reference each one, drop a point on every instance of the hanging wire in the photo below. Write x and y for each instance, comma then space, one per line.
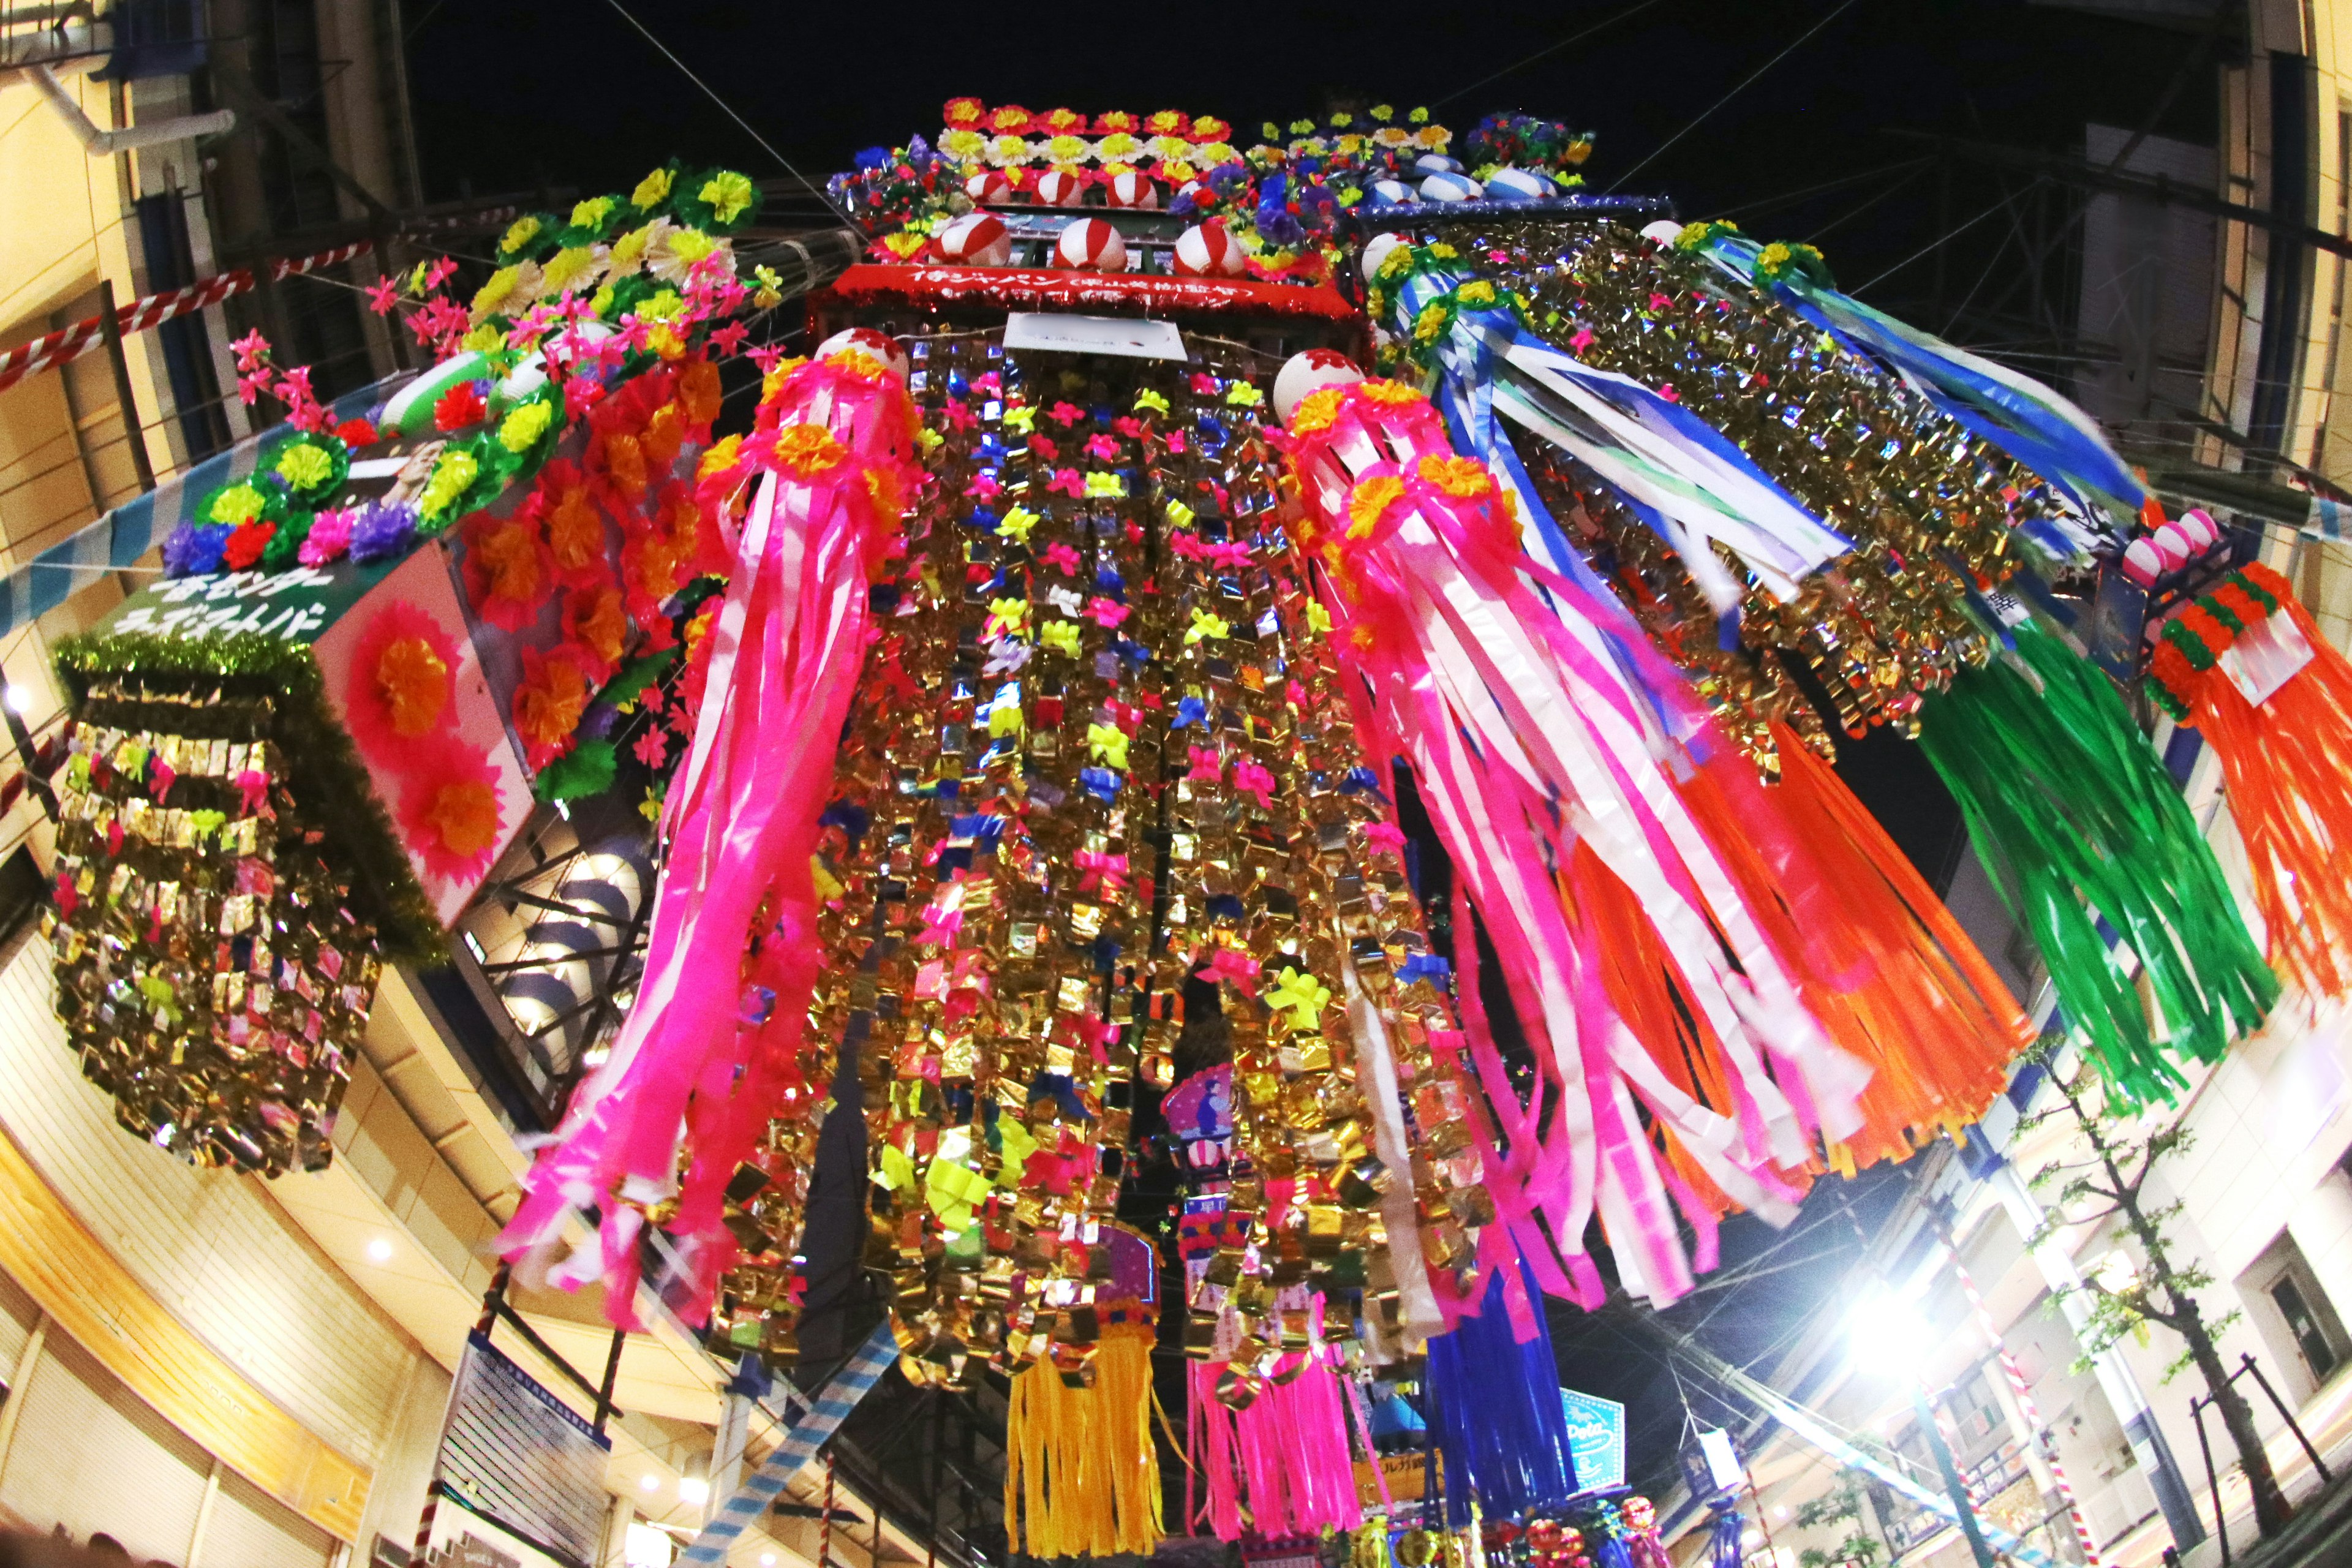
1735, 92
1544, 53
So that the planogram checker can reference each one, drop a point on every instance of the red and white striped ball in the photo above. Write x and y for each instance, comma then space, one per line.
989, 187
881, 345
1091, 243
1308, 373
976, 240
1057, 189
1206, 250
1133, 190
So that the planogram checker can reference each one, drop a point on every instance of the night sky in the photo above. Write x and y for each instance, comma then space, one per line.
510, 94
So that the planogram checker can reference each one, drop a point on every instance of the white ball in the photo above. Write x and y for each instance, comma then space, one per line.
2142, 562
2174, 546
977, 240
1518, 185
881, 345
2199, 525
989, 186
1308, 372
1393, 193
1451, 187
1435, 163
1665, 231
1376, 250
1133, 190
1206, 250
1057, 189
1091, 243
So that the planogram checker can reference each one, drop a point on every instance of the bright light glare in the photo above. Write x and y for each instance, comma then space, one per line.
2117, 1274
693, 1490
649, 1483
379, 1249
20, 699
1887, 1337
767, 1560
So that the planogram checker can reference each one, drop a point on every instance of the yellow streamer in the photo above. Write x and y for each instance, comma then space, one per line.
1080, 1463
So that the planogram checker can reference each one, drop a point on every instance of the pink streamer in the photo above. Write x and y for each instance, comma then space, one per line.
790, 640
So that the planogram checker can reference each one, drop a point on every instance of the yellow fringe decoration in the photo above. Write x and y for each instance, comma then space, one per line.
1080, 1462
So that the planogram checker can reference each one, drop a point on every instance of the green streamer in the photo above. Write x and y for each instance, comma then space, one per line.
2079, 823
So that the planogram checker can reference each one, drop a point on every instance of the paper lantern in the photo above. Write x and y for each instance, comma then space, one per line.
1393, 193
1447, 186
1093, 244
1308, 373
1206, 250
1133, 190
989, 187
1518, 185
1057, 189
977, 240
879, 345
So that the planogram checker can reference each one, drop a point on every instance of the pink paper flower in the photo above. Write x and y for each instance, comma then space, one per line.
251, 350
382, 295
1063, 413
652, 748
1067, 481
1206, 766
1062, 558
1583, 340
1102, 448
983, 487
1106, 613
1250, 778
1386, 835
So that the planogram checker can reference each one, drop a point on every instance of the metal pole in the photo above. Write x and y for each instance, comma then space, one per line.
612, 1375
2213, 1481
2288, 1416
110, 329
1961, 1506
30, 755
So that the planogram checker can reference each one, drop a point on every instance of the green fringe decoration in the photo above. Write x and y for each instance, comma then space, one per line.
275, 692
630, 684
589, 768
2080, 826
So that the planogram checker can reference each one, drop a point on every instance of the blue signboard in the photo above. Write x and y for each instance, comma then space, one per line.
1596, 1440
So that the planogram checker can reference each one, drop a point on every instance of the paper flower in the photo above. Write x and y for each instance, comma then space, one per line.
450, 814
246, 542
1061, 557
1106, 613
1208, 765
1304, 997
1369, 502
402, 686
1061, 637
1006, 616
1106, 744
508, 570
577, 538
1016, 523
329, 537
1206, 626
549, 700
1253, 778
597, 621
1108, 487
382, 530
807, 451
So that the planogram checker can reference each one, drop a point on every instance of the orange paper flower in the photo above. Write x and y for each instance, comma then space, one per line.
413, 681
1465, 477
467, 817
598, 622
575, 530
549, 702
805, 451
698, 392
1371, 500
509, 559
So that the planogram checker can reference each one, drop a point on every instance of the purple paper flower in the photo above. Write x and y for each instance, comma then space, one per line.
329, 536
379, 531
194, 550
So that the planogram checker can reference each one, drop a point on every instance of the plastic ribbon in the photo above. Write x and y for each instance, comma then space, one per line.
2026, 419
790, 639
2080, 826
1494, 1407
1527, 733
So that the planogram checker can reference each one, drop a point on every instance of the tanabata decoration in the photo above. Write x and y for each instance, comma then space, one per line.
2273, 697
1047, 731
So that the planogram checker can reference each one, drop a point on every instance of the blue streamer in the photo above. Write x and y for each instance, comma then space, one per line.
1495, 1412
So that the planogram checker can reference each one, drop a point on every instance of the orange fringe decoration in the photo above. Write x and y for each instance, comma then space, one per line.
2287, 766
1879, 960
1079, 1459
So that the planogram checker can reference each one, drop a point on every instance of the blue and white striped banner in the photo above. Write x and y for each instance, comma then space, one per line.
799, 1446
2327, 519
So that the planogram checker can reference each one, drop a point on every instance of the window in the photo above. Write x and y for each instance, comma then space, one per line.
2298, 1323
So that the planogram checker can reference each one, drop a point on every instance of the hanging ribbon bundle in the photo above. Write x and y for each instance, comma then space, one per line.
1278, 1462
2261, 683
2026, 419
1521, 722
2081, 828
1494, 1406
1081, 1474
743, 821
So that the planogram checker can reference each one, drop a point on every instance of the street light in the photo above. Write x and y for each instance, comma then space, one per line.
1887, 1337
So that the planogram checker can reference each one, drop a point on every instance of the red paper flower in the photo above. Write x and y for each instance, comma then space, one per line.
508, 572
356, 433
1116, 120
596, 622
246, 542
964, 112
459, 407
652, 748
1009, 120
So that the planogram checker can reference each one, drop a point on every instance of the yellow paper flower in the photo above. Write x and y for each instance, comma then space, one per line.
1067, 148
453, 471
1477, 292
1179, 515
236, 505
465, 815
1464, 477
929, 439
1061, 637
1429, 323
484, 339
1119, 144
1020, 419
1008, 150
570, 269
1216, 154
521, 429
1106, 744
1302, 996
1148, 399
1315, 411
628, 252
1103, 485
1005, 719
906, 244
805, 451
729, 194
519, 234
1206, 626
508, 290
1369, 500
1243, 394
305, 467
1018, 522
1318, 617
858, 362
592, 212
721, 456
1381, 390
652, 190
964, 145
770, 293
675, 254
415, 684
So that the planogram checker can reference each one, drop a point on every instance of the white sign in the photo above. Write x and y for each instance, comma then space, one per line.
1125, 336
